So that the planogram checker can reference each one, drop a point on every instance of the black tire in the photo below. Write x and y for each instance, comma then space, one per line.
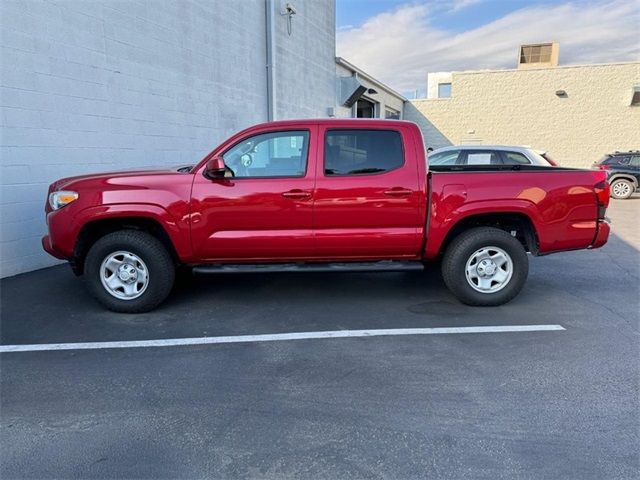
623, 187
158, 261
463, 247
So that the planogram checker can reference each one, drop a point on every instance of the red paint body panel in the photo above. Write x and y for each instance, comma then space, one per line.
561, 204
162, 196
342, 218
360, 217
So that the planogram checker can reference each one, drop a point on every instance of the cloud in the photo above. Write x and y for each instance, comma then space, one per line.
458, 5
400, 47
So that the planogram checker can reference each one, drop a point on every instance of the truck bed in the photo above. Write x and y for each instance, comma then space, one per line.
560, 203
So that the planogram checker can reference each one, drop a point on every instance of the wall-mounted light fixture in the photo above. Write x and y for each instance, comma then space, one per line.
635, 96
289, 12
372, 91
561, 94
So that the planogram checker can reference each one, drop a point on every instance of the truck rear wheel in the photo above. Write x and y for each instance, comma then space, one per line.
485, 266
129, 271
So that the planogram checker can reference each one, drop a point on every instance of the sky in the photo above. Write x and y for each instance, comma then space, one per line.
400, 41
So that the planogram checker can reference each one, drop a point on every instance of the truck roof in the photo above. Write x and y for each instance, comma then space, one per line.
342, 122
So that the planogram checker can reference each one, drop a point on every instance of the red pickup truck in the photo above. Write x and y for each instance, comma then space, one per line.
321, 195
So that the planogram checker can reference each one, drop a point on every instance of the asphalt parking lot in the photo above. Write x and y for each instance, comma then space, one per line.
545, 404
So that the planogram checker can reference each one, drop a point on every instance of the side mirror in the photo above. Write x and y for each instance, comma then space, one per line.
215, 168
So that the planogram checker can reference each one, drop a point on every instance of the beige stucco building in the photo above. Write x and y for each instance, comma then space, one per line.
577, 113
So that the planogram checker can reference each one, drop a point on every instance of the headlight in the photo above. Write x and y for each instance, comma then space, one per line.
60, 199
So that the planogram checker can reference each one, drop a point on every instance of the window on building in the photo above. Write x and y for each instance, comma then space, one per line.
365, 109
391, 114
358, 152
535, 53
275, 154
444, 90
635, 97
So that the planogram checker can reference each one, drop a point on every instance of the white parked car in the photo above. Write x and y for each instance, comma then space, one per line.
461, 155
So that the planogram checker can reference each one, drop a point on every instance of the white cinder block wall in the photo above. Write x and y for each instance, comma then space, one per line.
99, 85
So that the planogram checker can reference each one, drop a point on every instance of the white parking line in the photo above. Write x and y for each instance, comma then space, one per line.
276, 337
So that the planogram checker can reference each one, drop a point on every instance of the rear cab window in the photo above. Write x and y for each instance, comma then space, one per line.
362, 152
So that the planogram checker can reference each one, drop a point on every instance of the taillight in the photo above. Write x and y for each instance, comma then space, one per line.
604, 166
602, 195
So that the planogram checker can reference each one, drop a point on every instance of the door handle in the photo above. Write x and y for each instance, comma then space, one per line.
398, 192
297, 194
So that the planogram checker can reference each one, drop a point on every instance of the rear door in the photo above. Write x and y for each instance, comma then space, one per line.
368, 201
634, 163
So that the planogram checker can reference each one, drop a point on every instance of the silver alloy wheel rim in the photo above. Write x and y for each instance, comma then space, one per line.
124, 275
621, 189
489, 269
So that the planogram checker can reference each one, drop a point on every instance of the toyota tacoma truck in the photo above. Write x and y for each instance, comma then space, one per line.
337, 195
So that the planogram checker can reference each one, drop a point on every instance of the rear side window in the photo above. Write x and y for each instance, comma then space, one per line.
360, 152
635, 161
616, 160
515, 158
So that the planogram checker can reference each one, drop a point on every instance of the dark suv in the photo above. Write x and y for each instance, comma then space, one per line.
623, 170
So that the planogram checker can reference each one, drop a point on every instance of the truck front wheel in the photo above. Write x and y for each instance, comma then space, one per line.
129, 271
485, 266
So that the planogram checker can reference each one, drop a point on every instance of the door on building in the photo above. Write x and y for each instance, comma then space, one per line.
265, 209
365, 108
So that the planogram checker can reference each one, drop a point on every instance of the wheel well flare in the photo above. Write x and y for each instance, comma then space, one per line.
94, 230
517, 224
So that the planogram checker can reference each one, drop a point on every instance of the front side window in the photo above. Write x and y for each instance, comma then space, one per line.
274, 154
357, 152
449, 157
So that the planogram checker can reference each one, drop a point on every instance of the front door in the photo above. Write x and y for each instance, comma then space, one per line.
263, 209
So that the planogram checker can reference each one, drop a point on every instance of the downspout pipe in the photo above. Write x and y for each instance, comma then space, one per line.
271, 60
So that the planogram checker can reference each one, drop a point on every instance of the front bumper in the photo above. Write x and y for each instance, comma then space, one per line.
47, 244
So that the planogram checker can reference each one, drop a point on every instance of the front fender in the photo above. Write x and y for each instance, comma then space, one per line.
65, 226
176, 228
